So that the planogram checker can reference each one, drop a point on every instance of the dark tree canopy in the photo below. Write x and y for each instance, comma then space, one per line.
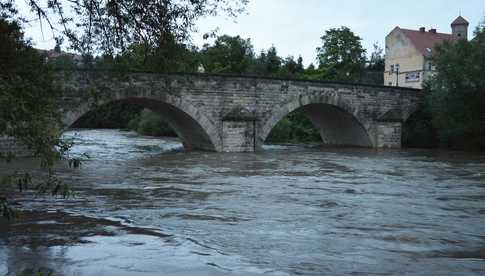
267, 63
457, 92
27, 94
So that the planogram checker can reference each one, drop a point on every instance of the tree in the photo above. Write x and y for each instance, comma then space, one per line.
111, 26
376, 62
29, 110
291, 68
272, 61
300, 68
27, 94
457, 92
341, 54
267, 63
172, 57
229, 54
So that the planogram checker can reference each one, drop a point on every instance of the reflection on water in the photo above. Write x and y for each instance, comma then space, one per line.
144, 206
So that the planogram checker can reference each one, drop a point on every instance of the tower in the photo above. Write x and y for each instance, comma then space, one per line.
459, 28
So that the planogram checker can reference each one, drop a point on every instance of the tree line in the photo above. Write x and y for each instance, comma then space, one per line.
341, 58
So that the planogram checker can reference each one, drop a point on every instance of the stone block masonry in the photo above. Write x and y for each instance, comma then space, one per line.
238, 136
389, 135
236, 113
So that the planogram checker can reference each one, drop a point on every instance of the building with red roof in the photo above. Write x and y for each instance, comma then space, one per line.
409, 53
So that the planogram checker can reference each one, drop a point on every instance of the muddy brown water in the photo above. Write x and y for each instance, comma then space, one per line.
143, 206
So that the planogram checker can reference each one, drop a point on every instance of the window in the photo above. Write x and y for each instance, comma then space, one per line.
412, 77
430, 66
392, 68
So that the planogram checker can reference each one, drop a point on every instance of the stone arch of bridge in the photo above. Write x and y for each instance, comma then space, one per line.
196, 131
337, 121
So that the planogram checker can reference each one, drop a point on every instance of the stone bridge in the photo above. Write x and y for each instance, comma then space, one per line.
236, 113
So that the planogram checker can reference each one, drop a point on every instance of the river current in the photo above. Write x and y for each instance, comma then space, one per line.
143, 206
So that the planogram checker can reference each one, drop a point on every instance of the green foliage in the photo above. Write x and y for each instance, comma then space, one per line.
457, 93
341, 55
229, 54
29, 112
268, 63
151, 124
291, 68
173, 56
295, 127
28, 96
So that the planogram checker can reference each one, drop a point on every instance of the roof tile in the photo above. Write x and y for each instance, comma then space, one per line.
426, 41
460, 21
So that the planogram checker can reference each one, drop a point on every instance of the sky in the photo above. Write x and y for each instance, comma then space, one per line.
294, 27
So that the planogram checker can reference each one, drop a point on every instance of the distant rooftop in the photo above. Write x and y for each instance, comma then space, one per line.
425, 41
460, 21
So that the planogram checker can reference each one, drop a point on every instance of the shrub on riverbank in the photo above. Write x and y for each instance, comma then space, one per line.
294, 128
151, 124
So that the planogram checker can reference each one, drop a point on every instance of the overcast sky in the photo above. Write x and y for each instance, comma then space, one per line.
294, 27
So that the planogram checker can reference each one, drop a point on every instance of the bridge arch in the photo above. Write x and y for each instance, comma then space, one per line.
337, 120
195, 129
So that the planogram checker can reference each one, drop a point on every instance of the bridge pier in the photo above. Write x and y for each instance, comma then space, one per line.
238, 136
239, 130
388, 135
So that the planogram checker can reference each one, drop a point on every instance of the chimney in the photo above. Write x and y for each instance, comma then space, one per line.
422, 29
432, 31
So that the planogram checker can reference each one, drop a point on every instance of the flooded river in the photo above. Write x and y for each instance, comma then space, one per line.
143, 206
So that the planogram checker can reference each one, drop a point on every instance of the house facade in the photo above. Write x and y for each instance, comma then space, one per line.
409, 53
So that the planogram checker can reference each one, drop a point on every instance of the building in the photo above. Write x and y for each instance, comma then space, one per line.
409, 53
